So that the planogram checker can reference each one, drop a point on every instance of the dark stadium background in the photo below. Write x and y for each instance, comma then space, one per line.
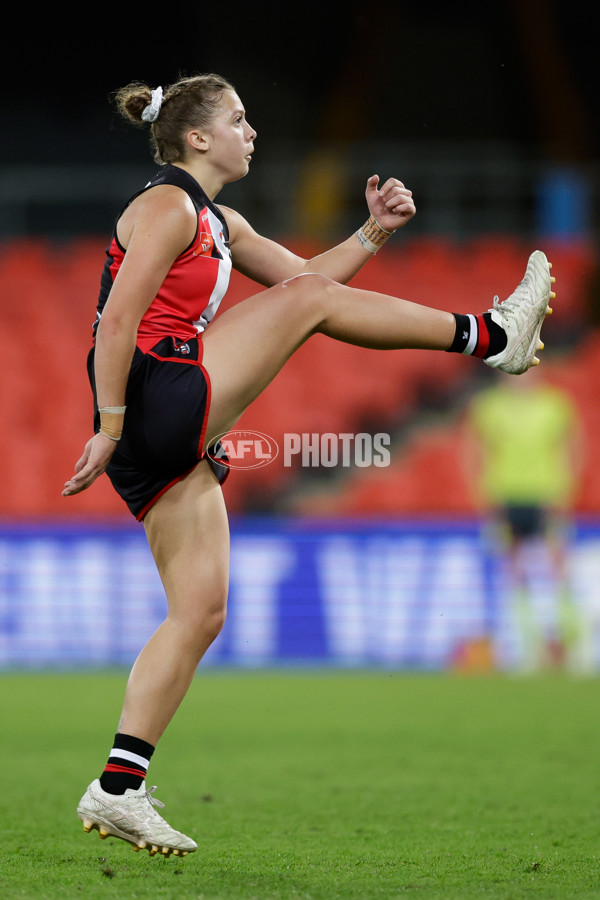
431, 93
523, 72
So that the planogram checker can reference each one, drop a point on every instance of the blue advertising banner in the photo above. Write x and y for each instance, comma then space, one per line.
407, 595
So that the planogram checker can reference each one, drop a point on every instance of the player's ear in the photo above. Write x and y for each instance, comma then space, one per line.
198, 140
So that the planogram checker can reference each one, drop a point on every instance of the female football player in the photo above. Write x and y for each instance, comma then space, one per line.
167, 380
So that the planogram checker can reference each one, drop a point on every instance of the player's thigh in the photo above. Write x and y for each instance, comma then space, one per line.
188, 534
247, 345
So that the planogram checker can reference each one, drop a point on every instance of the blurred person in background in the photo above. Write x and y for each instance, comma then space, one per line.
524, 460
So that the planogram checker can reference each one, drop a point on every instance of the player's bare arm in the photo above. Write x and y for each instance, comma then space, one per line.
154, 231
268, 263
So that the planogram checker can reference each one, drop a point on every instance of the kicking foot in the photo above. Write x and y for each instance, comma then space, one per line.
131, 816
521, 316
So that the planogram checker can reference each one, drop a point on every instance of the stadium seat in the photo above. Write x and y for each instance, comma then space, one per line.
48, 294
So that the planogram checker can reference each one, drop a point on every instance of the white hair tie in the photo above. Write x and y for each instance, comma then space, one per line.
150, 113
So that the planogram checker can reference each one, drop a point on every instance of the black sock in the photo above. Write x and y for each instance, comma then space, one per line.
127, 764
477, 336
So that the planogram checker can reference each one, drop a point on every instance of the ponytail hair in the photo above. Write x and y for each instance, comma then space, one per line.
192, 102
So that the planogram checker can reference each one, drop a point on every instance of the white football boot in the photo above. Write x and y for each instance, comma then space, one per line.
132, 817
521, 316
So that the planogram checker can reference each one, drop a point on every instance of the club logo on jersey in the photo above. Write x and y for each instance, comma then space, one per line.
206, 243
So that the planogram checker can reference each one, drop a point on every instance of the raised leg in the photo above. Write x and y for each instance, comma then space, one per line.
246, 346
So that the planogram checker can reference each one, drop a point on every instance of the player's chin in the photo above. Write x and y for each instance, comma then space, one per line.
243, 168
236, 174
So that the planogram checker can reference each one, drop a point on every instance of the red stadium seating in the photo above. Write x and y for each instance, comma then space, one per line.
47, 297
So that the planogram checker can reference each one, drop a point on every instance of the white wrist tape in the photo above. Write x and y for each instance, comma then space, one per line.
111, 421
372, 236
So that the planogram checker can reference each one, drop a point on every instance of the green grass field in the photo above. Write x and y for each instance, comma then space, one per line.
336, 786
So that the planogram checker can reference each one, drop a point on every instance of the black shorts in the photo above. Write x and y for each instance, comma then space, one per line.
168, 398
525, 520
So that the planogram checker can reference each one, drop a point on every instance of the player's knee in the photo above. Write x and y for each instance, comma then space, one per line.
308, 286
207, 623
307, 280
202, 623
214, 622
310, 290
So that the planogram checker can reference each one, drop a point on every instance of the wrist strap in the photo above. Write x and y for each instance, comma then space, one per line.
372, 236
111, 421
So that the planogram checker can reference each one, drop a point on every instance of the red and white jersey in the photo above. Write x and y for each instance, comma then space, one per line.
197, 281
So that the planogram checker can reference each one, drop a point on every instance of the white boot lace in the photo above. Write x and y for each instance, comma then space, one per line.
153, 800
512, 304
